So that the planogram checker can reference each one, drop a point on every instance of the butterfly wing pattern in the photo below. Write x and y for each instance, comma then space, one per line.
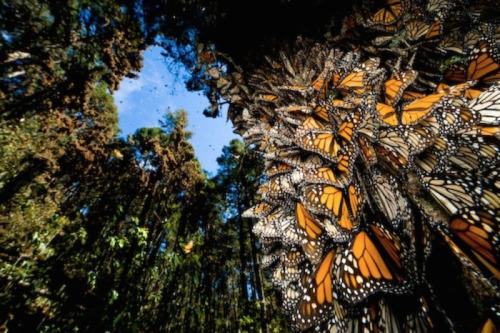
374, 158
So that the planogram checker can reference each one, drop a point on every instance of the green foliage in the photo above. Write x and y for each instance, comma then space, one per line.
105, 234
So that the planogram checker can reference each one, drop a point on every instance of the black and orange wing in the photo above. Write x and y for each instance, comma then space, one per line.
419, 109
387, 114
341, 204
373, 262
319, 301
355, 82
389, 14
484, 60
474, 237
396, 85
311, 233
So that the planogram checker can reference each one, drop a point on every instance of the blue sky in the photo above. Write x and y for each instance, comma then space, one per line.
142, 102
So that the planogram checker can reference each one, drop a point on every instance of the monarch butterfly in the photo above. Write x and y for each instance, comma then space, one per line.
455, 115
311, 124
451, 195
343, 205
376, 316
287, 273
188, 247
306, 109
345, 162
207, 57
419, 109
266, 229
387, 196
311, 233
387, 114
428, 162
319, 301
293, 256
269, 260
488, 327
483, 60
478, 229
278, 168
295, 158
416, 29
424, 318
268, 98
348, 128
477, 236
256, 133
355, 82
323, 143
451, 43
411, 95
347, 103
456, 73
437, 5
321, 112
488, 106
291, 296
417, 138
260, 210
472, 93
322, 175
277, 187
373, 261
286, 225
393, 149
389, 15
454, 91
320, 84
396, 85
435, 30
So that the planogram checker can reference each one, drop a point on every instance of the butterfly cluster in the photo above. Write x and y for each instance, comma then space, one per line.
374, 152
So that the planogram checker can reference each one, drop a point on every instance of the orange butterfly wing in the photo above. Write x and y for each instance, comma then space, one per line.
477, 238
419, 109
318, 302
387, 114
372, 262
482, 61
311, 233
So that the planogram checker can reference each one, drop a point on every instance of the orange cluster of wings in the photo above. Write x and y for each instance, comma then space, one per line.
369, 161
